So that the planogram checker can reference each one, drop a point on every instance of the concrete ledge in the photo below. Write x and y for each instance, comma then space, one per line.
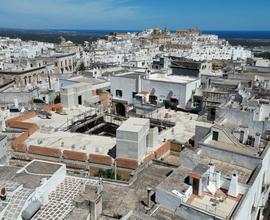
100, 159
75, 155
127, 163
45, 151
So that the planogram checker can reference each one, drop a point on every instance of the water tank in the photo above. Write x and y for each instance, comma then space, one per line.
31, 210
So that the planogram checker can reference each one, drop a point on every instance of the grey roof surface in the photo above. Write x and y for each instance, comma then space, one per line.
176, 181
133, 124
130, 75
120, 200
200, 169
28, 180
7, 172
2, 137
91, 80
42, 168
165, 214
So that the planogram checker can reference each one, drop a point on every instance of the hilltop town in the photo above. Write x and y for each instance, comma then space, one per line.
137, 125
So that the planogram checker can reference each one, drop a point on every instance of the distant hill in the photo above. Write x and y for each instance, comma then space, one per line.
50, 35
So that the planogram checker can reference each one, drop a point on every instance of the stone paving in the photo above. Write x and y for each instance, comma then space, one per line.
16, 204
61, 199
9, 185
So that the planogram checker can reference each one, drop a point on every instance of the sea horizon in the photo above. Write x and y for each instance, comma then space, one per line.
227, 34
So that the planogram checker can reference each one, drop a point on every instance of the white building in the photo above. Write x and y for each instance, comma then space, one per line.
77, 94
156, 87
131, 139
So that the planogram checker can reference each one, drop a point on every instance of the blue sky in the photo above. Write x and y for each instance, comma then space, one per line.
136, 14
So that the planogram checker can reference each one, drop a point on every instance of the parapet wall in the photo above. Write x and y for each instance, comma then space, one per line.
30, 128
92, 162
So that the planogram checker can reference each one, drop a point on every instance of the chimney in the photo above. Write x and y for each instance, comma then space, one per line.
234, 187
139, 84
242, 134
257, 140
218, 177
16, 103
149, 189
211, 172
147, 73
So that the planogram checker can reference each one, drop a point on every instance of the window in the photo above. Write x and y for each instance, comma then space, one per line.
79, 99
134, 94
119, 93
215, 136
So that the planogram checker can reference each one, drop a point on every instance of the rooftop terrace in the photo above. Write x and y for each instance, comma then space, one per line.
185, 124
72, 141
171, 78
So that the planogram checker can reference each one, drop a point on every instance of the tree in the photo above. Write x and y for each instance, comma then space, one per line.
57, 99
109, 174
81, 67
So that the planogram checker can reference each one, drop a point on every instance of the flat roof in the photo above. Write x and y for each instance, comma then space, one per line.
29, 176
165, 214
61, 200
93, 81
225, 168
133, 124
239, 148
223, 208
7, 172
41, 167
29, 181
171, 78
185, 124
130, 75
2, 137
59, 120
76, 85
205, 202
176, 181
73, 141
117, 199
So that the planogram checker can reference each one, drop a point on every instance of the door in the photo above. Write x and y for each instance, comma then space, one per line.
195, 187
79, 99
120, 109
215, 136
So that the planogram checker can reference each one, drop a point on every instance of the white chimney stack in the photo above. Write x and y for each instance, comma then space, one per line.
16, 103
257, 140
234, 187
218, 177
211, 172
